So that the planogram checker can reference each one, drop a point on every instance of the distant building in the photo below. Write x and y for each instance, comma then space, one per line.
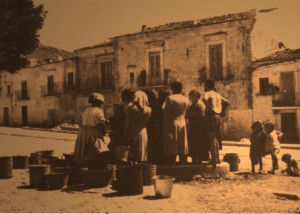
35, 95
276, 92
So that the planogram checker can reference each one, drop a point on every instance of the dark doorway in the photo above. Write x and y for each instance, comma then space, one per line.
24, 116
288, 127
51, 118
287, 88
5, 117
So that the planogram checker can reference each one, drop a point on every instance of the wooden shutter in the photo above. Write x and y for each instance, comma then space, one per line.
216, 62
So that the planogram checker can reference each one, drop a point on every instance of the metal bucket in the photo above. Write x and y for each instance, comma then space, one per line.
129, 181
56, 180
121, 153
96, 178
37, 175
36, 158
233, 160
163, 186
149, 171
6, 167
20, 162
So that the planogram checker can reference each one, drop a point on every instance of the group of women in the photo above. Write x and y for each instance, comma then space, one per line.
156, 129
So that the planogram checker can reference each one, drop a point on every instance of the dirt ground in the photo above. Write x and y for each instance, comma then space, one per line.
239, 192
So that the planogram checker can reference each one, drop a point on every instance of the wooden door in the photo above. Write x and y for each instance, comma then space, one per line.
5, 117
24, 116
288, 126
287, 89
51, 119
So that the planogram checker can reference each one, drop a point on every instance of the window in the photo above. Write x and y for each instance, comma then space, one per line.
50, 85
70, 81
216, 62
131, 78
24, 92
154, 68
263, 86
106, 76
8, 89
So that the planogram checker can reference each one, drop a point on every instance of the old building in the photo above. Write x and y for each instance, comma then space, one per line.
192, 51
36, 95
276, 92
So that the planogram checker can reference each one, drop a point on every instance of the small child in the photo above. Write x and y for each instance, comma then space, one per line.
257, 147
272, 144
291, 165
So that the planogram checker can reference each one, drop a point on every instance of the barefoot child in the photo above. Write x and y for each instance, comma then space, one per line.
291, 165
257, 146
272, 144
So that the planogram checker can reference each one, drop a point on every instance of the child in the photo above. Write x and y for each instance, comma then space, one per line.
257, 147
291, 165
272, 144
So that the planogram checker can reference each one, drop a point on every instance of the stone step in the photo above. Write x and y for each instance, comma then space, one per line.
187, 172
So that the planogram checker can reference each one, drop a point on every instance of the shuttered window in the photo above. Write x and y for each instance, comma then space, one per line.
106, 76
216, 62
263, 85
50, 85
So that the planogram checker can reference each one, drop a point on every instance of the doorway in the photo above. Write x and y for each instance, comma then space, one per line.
5, 117
288, 127
287, 88
24, 116
51, 118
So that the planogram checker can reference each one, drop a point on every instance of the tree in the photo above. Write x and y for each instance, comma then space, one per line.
20, 22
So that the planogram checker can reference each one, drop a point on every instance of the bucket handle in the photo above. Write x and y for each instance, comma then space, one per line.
156, 177
239, 160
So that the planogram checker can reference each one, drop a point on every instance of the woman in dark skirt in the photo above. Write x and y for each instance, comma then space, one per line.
198, 144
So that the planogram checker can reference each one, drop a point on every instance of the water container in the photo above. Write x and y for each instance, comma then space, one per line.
37, 175
121, 153
149, 171
163, 186
36, 158
56, 180
6, 167
96, 178
20, 162
233, 160
129, 181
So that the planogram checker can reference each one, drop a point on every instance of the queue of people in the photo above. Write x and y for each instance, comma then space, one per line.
155, 129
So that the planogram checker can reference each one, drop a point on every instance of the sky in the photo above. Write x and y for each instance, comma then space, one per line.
73, 24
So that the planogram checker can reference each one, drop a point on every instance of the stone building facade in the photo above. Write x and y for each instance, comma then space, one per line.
38, 94
192, 51
276, 92
188, 51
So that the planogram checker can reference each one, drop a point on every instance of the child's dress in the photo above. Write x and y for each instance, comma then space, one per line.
272, 142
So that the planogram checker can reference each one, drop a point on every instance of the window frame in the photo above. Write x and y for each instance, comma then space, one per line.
103, 85
266, 90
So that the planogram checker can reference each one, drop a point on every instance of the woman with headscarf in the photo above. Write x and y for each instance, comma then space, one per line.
90, 148
135, 127
197, 139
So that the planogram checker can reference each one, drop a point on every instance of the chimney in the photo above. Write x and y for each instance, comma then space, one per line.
144, 28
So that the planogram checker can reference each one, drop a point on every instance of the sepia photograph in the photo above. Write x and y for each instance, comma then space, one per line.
149, 106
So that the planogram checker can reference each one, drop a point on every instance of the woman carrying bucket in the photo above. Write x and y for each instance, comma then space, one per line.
90, 148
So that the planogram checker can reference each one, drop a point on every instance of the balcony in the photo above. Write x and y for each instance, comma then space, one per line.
21, 95
46, 92
282, 99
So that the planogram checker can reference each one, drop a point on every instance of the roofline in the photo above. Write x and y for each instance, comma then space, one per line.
273, 63
251, 12
95, 46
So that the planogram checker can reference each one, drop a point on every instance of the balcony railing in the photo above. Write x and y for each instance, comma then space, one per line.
286, 99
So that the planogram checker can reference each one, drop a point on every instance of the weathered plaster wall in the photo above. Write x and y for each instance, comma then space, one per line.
262, 104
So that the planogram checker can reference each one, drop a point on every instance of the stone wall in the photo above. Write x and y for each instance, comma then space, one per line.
185, 55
